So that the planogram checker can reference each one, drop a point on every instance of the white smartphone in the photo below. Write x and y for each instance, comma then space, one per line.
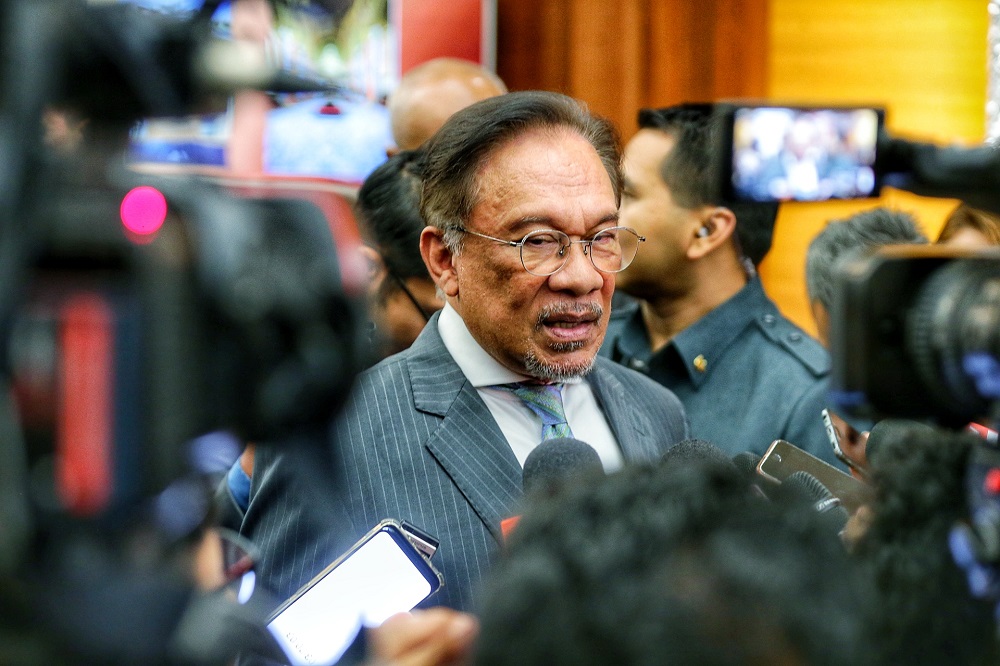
381, 575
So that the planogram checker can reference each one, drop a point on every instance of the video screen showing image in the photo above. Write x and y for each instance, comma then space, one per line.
790, 154
345, 51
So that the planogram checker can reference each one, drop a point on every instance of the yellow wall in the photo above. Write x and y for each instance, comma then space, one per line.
923, 60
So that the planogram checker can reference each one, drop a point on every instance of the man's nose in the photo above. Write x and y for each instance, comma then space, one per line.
578, 275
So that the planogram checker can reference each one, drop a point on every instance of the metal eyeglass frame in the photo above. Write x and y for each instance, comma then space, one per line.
587, 244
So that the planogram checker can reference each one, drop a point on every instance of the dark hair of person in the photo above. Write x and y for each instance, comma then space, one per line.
670, 565
469, 137
688, 173
926, 613
388, 212
860, 234
967, 217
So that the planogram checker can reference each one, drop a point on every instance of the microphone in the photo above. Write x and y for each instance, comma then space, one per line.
746, 463
553, 462
802, 486
695, 450
550, 465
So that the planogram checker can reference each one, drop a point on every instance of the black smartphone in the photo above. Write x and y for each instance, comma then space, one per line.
381, 575
773, 153
783, 459
833, 433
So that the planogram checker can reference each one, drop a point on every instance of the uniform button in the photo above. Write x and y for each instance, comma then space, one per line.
794, 336
700, 363
769, 319
637, 364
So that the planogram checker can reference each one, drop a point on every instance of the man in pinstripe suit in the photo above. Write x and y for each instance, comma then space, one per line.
521, 193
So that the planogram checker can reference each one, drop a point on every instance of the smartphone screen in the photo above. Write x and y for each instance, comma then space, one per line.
784, 459
380, 576
780, 153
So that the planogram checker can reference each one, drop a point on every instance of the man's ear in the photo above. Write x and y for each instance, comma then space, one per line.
439, 261
718, 224
375, 269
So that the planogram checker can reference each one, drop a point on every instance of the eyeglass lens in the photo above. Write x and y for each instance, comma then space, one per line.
544, 252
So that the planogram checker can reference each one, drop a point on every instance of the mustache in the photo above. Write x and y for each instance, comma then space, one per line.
576, 309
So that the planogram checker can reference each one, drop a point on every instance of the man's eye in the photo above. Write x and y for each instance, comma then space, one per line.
542, 241
606, 238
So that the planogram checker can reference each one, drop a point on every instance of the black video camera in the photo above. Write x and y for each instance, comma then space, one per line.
915, 332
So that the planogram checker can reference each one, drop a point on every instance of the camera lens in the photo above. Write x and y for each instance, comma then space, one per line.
953, 335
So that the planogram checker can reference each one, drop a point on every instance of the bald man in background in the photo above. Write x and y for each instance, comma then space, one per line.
431, 92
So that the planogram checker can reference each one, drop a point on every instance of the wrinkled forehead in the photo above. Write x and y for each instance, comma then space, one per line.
549, 152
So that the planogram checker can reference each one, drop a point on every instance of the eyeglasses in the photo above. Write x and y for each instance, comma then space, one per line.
409, 294
544, 252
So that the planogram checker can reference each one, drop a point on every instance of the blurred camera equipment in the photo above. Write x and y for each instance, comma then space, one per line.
147, 324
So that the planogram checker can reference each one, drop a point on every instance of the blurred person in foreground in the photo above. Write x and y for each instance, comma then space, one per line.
672, 565
926, 613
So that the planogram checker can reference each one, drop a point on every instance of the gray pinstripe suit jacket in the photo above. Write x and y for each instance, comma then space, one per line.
417, 443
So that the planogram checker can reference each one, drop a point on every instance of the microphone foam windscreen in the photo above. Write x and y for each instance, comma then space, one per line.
554, 460
695, 450
747, 462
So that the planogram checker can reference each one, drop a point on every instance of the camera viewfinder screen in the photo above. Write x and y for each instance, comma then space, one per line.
794, 154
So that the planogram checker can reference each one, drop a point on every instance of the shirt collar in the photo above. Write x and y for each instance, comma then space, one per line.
479, 367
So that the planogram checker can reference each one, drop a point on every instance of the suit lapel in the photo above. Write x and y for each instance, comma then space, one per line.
468, 444
631, 426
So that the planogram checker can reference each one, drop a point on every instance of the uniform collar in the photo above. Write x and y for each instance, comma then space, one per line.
702, 344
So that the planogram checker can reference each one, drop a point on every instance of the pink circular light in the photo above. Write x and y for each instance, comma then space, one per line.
143, 210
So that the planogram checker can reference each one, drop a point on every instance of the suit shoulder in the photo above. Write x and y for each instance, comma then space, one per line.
793, 342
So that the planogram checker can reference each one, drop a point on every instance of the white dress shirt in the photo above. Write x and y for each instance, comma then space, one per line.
521, 426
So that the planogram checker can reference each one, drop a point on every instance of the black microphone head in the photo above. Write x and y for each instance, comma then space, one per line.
811, 487
553, 461
804, 488
695, 450
747, 463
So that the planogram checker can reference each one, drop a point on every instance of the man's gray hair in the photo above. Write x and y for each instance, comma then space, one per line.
455, 154
858, 235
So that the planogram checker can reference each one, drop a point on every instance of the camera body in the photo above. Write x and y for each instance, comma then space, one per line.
915, 332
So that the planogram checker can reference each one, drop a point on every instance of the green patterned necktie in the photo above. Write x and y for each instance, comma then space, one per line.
545, 400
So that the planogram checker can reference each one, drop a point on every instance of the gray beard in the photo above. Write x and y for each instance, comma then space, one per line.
557, 372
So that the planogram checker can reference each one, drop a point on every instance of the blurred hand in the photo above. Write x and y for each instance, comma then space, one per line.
433, 637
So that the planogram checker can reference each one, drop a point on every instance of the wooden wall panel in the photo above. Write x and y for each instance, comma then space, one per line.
925, 60
621, 56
